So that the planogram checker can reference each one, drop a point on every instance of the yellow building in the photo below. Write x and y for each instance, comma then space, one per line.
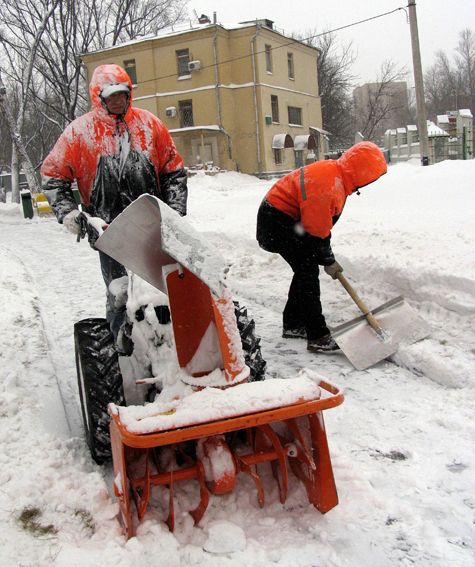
237, 98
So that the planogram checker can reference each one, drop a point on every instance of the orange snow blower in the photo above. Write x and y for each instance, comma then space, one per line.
223, 424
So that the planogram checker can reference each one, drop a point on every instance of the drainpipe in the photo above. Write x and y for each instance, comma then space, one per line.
216, 84
218, 105
259, 164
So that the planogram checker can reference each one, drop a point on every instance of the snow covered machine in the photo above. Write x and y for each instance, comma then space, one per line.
209, 419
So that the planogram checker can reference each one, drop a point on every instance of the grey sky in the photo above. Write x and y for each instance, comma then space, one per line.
378, 40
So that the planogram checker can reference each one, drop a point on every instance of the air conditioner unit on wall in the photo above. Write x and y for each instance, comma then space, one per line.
194, 65
170, 112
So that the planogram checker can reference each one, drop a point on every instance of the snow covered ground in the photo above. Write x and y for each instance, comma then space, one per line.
402, 443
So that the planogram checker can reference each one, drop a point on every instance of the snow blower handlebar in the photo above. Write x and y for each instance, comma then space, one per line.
92, 226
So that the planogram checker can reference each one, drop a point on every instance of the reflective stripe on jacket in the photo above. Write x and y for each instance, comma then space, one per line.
315, 194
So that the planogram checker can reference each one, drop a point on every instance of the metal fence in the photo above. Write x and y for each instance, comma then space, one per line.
460, 146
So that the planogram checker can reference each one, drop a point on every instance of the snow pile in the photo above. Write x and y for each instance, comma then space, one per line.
190, 249
225, 537
401, 443
212, 404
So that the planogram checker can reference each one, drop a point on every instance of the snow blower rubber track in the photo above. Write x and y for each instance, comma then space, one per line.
99, 382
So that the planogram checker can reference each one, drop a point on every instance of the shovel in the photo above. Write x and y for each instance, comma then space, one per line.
366, 340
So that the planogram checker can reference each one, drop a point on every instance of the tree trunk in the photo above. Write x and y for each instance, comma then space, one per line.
18, 145
15, 176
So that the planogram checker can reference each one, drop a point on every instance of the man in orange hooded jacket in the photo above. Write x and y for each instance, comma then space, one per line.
115, 153
295, 220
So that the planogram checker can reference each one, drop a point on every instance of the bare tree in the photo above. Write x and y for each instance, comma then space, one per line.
334, 85
335, 82
6, 145
128, 19
378, 104
19, 153
43, 40
465, 62
441, 84
450, 84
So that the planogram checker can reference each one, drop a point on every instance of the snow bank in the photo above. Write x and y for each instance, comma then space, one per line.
401, 443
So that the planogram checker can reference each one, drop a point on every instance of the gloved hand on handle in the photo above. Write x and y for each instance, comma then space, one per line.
71, 221
92, 226
333, 269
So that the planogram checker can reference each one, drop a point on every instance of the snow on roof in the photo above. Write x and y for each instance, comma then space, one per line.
320, 130
433, 130
281, 141
185, 27
412, 128
463, 113
169, 31
304, 142
214, 127
189, 26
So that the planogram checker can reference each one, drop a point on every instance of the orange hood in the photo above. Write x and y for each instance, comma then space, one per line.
104, 77
362, 164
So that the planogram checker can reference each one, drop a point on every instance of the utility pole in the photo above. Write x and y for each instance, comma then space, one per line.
420, 101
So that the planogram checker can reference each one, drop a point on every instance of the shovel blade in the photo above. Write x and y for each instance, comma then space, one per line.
362, 345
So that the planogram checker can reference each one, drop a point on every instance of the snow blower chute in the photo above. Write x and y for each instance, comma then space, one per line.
225, 424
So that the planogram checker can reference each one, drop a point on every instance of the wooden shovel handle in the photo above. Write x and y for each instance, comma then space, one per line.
356, 298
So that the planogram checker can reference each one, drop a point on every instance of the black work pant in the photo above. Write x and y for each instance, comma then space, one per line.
111, 270
280, 233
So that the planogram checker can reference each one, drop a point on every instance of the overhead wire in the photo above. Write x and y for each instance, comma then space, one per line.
292, 42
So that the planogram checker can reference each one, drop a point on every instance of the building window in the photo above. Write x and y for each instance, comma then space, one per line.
290, 65
274, 102
295, 115
183, 58
268, 59
278, 156
185, 108
131, 70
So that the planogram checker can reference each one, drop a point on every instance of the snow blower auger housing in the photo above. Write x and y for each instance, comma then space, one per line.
221, 423
276, 421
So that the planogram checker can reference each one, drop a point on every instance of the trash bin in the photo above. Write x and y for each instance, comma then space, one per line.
27, 204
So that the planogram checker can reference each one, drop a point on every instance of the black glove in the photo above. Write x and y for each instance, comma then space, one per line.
333, 269
87, 227
81, 219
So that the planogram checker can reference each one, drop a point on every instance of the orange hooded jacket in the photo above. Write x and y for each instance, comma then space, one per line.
114, 159
315, 194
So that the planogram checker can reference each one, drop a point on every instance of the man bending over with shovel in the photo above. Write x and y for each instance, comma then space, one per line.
295, 220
